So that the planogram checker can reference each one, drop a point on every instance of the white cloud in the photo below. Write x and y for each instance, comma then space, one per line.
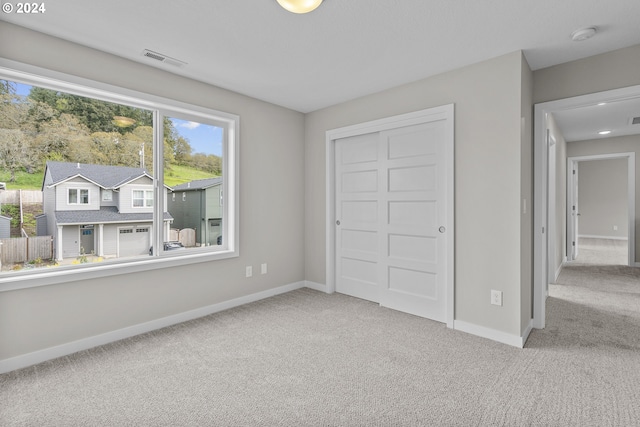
189, 125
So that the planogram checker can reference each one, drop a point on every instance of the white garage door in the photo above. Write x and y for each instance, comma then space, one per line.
133, 241
392, 219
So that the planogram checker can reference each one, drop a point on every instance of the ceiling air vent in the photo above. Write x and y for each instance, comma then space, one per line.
635, 120
163, 58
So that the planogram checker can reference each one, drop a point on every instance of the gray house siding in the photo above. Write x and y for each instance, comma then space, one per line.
42, 229
213, 213
200, 209
126, 195
5, 227
62, 192
49, 207
186, 210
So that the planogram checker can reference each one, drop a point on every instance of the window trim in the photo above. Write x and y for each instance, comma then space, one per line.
37, 76
78, 194
145, 198
107, 195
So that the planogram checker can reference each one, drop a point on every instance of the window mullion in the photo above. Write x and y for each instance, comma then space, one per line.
158, 182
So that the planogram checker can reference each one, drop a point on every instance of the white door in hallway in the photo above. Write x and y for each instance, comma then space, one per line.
392, 219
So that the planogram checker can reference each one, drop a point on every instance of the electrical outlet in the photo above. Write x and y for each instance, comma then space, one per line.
615, 228
263, 268
496, 297
249, 271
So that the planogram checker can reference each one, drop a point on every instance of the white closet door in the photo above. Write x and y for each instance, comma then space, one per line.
413, 244
391, 212
358, 221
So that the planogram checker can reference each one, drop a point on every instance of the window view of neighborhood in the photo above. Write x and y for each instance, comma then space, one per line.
77, 181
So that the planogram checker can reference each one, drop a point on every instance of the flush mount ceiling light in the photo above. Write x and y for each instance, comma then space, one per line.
583, 34
604, 132
299, 6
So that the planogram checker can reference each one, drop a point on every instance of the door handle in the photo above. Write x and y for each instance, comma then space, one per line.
338, 222
442, 229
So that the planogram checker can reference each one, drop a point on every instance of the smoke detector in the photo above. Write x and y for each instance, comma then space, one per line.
163, 58
583, 34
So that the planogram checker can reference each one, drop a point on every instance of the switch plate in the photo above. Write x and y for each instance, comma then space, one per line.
496, 297
249, 271
615, 228
263, 268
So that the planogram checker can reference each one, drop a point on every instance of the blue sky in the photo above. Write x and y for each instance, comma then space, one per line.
22, 89
203, 138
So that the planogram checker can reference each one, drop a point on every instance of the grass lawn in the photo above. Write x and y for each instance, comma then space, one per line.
24, 181
176, 175
173, 176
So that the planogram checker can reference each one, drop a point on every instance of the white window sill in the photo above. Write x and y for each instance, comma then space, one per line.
66, 274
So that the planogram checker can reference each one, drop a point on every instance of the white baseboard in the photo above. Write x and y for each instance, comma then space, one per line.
593, 236
526, 332
40, 356
493, 334
559, 270
315, 286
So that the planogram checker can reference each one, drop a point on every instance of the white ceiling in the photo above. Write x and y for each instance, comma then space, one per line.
584, 123
344, 49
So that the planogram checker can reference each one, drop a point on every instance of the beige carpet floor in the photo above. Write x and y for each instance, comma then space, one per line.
309, 359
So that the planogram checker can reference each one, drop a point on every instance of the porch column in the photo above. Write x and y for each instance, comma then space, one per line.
59, 244
100, 240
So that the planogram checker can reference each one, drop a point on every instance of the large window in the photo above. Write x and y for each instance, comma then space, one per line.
83, 154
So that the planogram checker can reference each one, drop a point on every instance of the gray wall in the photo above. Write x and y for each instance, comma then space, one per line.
602, 197
493, 175
36, 318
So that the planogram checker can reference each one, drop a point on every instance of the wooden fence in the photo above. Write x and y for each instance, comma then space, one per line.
186, 236
25, 249
13, 197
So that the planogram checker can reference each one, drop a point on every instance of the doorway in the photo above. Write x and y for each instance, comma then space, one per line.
544, 207
601, 202
390, 212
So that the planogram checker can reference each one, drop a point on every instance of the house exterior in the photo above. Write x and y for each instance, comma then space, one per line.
198, 205
5, 222
98, 209
5, 227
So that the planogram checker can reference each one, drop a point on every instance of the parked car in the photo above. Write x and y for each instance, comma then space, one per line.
169, 246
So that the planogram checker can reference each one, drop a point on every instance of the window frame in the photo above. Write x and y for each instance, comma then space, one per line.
145, 198
161, 107
107, 195
78, 191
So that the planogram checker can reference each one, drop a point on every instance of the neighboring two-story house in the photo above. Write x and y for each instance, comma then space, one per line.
99, 209
198, 205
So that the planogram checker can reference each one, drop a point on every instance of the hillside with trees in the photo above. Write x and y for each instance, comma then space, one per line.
50, 125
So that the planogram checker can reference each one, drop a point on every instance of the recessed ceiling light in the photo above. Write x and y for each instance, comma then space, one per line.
602, 103
583, 34
604, 132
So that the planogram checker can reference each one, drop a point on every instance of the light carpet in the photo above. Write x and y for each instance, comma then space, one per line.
309, 359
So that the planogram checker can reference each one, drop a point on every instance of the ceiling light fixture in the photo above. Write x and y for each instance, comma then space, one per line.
299, 6
583, 34
604, 132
